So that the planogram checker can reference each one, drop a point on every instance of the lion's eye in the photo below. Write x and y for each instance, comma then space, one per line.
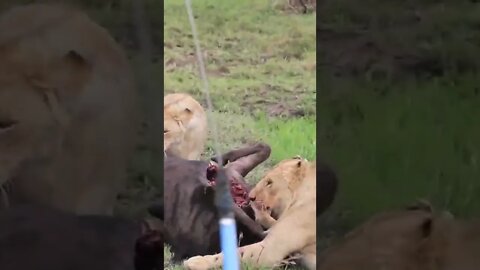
7, 124
165, 131
269, 182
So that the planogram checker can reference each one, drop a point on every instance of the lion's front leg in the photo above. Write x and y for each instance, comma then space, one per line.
280, 242
289, 235
258, 254
263, 216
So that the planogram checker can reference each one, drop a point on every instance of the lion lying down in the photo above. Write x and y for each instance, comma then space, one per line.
288, 192
411, 239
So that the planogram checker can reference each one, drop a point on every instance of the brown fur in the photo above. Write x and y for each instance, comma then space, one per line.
41, 238
67, 110
188, 210
411, 239
185, 126
289, 191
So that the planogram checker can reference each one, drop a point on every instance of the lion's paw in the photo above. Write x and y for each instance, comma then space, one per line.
199, 263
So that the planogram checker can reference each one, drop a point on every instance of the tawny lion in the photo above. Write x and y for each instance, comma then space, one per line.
416, 238
185, 126
67, 110
288, 192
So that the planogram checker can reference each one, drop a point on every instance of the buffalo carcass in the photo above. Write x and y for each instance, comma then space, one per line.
40, 238
188, 210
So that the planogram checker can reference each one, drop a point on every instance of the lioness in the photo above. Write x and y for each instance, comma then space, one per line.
408, 239
184, 126
289, 192
67, 110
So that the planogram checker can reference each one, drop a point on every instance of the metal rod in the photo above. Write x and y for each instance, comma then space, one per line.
223, 198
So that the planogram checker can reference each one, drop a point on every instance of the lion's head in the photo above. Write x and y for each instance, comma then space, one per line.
67, 109
416, 238
33, 88
175, 119
185, 126
276, 189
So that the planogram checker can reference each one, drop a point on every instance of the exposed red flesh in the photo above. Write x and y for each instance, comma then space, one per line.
239, 194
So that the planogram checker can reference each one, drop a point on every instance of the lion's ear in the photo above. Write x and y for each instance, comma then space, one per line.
186, 115
66, 75
61, 81
77, 67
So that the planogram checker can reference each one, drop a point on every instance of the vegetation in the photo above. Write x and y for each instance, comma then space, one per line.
261, 65
399, 105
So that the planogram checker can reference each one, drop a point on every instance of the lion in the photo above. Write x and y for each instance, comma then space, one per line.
288, 192
68, 110
185, 126
416, 238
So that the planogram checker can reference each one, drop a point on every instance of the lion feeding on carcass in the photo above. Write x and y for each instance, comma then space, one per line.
67, 110
284, 201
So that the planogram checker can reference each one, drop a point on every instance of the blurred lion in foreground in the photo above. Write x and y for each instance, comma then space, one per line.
415, 238
67, 110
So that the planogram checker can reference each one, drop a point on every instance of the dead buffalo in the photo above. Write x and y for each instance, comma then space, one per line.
188, 211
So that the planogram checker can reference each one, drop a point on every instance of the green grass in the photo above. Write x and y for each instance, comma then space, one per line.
261, 68
283, 136
261, 65
398, 38
393, 144
399, 105
257, 59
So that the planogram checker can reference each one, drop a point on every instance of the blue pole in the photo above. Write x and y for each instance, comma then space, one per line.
228, 241
223, 198
228, 229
